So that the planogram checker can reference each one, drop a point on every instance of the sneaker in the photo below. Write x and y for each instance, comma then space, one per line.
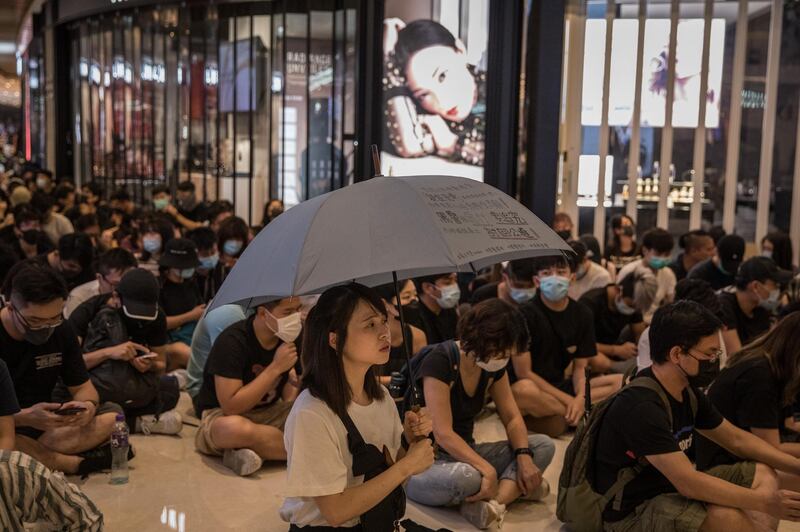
169, 422
539, 493
99, 459
243, 462
182, 376
483, 514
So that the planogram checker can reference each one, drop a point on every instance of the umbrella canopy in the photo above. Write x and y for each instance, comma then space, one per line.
411, 226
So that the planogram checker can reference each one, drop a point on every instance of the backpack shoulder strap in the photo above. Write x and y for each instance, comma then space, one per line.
692, 401
454, 355
354, 438
651, 384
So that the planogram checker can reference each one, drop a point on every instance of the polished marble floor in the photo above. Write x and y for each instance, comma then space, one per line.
174, 488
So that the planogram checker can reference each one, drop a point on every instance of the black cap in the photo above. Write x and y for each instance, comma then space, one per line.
179, 253
730, 250
139, 290
762, 269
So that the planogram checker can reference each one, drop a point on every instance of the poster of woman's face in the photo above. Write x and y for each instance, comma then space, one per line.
434, 89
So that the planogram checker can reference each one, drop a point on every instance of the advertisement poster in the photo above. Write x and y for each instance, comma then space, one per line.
434, 87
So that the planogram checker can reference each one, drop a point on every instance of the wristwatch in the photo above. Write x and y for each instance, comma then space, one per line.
523, 450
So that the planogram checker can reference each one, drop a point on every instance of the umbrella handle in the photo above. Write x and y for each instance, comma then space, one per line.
376, 163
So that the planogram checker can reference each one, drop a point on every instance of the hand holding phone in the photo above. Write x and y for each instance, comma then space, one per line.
71, 411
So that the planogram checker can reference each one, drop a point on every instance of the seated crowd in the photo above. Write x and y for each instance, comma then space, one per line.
692, 358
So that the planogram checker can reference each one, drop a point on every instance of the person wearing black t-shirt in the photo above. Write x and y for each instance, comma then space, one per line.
756, 392
180, 298
8, 407
455, 378
720, 270
562, 338
397, 355
516, 288
249, 384
697, 247
72, 259
669, 493
747, 312
40, 350
135, 301
438, 298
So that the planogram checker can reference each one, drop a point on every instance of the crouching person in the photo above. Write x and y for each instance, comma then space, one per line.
249, 384
669, 493
456, 377
39, 349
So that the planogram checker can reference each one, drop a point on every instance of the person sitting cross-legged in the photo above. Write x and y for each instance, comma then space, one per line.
249, 385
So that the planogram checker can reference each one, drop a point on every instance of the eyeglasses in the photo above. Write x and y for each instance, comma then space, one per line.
39, 327
712, 357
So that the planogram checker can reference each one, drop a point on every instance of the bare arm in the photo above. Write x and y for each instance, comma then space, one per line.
732, 342
509, 413
235, 397
7, 435
579, 376
84, 392
773, 437
419, 339
159, 364
751, 447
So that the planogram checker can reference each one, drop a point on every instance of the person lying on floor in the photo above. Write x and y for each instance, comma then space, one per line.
456, 377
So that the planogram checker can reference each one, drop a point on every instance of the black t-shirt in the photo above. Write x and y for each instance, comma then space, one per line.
439, 328
558, 337
734, 318
237, 354
177, 298
464, 407
487, 291
678, 268
148, 333
198, 213
397, 357
637, 425
749, 396
35, 369
608, 324
8, 397
709, 272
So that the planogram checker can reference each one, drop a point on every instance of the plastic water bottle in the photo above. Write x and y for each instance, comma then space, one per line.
119, 451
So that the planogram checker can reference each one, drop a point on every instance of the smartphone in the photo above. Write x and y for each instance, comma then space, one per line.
147, 355
72, 411
140, 353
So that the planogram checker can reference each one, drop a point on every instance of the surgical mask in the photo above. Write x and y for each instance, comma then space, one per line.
623, 307
30, 236
288, 328
210, 262
772, 302
767, 253
232, 247
554, 287
706, 373
41, 182
151, 244
494, 365
187, 273
521, 295
451, 295
160, 204
658, 263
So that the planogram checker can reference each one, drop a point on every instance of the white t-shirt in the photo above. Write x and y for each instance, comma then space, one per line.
596, 277
319, 462
643, 352
79, 294
666, 286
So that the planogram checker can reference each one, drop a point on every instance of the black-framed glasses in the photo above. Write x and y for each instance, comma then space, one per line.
712, 357
39, 327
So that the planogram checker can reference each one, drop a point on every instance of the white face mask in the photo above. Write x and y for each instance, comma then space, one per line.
493, 365
451, 294
288, 328
623, 307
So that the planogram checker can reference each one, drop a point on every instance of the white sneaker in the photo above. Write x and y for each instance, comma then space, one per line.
183, 377
484, 514
169, 422
243, 462
539, 493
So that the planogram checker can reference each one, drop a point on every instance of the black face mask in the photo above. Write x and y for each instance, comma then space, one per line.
31, 236
628, 230
706, 373
411, 312
566, 235
274, 213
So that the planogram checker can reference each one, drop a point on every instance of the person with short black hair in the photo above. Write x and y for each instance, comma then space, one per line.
40, 350
456, 377
26, 237
249, 383
515, 288
346, 337
64, 194
397, 355
657, 247
89, 224
720, 270
209, 276
697, 246
72, 259
111, 266
217, 212
635, 430
54, 224
189, 208
588, 274
121, 199
748, 310
438, 301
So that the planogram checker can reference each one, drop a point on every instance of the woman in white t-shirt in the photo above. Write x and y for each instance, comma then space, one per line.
346, 336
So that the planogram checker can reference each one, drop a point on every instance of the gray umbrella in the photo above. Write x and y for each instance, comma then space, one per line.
386, 226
